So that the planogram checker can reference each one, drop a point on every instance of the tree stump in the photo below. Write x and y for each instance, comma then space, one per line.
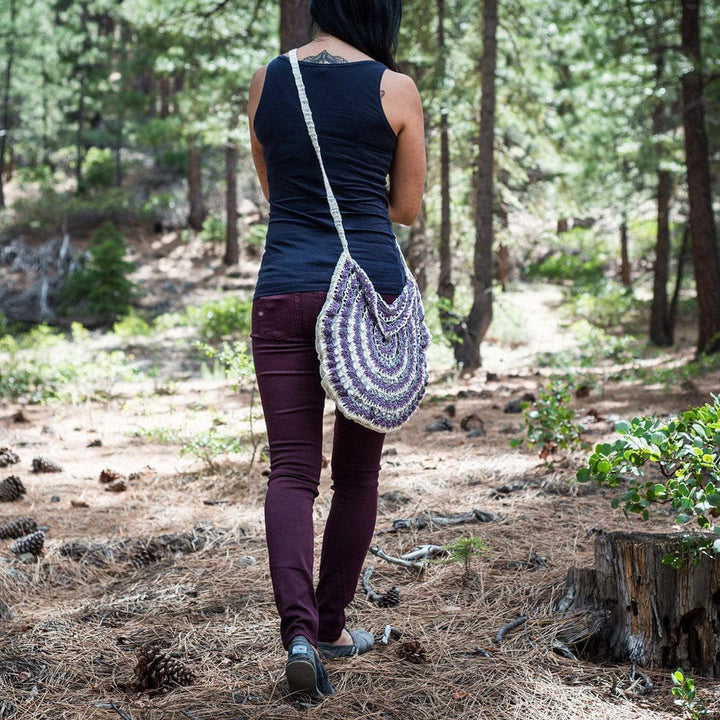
631, 607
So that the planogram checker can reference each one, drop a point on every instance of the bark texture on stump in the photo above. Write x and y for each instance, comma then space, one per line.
643, 611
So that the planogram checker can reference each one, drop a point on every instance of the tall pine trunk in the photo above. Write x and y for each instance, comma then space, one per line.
232, 246
703, 237
624, 253
446, 288
7, 82
195, 199
467, 352
661, 331
295, 24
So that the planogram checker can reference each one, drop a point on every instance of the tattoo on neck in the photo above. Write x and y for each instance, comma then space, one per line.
325, 58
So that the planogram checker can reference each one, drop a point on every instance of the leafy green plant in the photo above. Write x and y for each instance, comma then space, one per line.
218, 318
578, 268
98, 168
209, 445
686, 452
550, 421
101, 286
131, 325
255, 237
604, 304
213, 229
686, 695
238, 367
464, 550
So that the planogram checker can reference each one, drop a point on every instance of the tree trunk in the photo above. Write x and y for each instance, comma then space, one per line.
661, 331
706, 261
678, 279
164, 91
446, 288
195, 199
232, 246
295, 24
417, 251
7, 81
624, 255
638, 610
467, 352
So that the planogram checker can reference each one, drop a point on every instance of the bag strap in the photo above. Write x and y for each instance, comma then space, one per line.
307, 114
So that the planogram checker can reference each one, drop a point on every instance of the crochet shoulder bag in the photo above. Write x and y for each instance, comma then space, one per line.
372, 353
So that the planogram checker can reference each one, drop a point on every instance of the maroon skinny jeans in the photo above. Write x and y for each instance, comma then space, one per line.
293, 400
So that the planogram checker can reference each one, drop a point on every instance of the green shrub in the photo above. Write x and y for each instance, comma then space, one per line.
686, 695
175, 160
465, 549
213, 229
218, 318
605, 304
98, 167
131, 325
686, 451
563, 266
255, 237
101, 286
550, 421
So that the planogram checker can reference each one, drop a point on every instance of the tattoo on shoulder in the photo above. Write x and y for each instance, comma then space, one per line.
325, 58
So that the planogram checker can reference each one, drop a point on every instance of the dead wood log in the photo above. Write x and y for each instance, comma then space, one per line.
423, 521
637, 609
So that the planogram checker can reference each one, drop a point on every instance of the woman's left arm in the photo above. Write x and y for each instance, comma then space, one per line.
256, 86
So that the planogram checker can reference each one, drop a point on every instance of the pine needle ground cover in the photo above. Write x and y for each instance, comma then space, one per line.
176, 561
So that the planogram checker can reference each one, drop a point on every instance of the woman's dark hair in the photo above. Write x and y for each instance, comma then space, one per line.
369, 25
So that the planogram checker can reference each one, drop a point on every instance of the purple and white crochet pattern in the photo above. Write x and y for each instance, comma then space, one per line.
372, 354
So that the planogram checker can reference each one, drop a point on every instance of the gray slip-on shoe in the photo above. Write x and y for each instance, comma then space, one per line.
306, 676
362, 642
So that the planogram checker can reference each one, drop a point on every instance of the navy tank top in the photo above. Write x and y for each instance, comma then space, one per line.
357, 145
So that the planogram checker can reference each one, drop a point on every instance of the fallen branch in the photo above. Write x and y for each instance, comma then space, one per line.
375, 550
423, 521
516, 623
390, 633
562, 649
639, 678
425, 552
120, 711
391, 598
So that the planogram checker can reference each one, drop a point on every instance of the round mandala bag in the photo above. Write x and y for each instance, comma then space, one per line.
372, 353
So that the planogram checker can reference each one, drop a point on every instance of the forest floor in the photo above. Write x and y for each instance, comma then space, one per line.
70, 623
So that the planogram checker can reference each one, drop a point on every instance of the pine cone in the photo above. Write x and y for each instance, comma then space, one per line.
116, 486
157, 669
8, 457
18, 528
412, 651
32, 544
389, 599
107, 475
43, 464
11, 488
146, 556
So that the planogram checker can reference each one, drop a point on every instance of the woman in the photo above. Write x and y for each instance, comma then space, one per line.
370, 126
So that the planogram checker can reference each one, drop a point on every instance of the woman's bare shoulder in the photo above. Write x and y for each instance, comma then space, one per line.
400, 83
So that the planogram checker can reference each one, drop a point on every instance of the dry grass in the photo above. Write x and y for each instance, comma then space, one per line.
68, 650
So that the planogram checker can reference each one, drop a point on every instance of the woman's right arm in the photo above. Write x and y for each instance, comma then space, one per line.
256, 86
403, 109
